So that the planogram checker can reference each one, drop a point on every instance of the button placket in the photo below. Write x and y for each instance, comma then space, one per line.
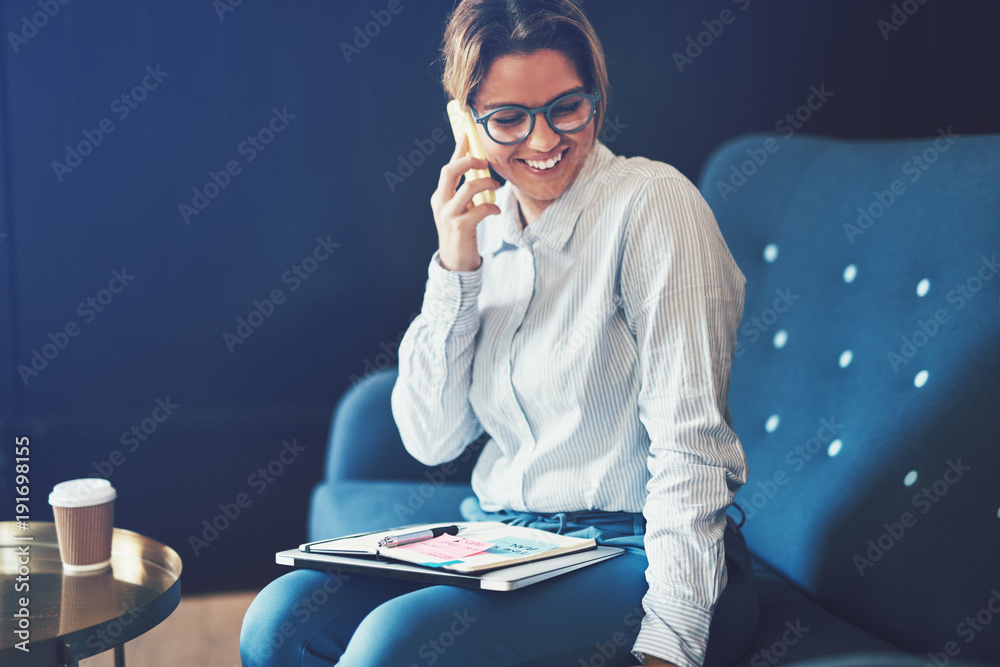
525, 291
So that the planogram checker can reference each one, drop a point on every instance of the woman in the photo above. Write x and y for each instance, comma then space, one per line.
586, 321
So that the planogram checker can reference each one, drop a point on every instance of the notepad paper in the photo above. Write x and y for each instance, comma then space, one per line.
480, 546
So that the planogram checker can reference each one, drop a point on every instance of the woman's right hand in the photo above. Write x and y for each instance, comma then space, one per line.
455, 215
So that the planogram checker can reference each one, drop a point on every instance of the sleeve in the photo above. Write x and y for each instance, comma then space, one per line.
430, 400
683, 300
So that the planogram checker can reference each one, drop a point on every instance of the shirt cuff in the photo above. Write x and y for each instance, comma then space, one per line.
451, 296
673, 630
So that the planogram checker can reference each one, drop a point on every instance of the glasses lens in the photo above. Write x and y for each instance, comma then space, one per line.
508, 125
571, 113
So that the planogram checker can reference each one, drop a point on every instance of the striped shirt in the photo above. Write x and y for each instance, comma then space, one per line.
594, 347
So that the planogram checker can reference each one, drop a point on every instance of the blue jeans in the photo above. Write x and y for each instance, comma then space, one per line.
588, 618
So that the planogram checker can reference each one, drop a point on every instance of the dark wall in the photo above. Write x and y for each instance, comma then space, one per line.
331, 208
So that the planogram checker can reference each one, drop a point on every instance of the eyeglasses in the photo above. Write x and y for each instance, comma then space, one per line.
513, 124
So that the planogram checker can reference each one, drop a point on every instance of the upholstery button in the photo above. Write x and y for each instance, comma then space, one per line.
921, 379
772, 423
780, 339
910, 479
834, 447
850, 273
846, 357
770, 253
923, 287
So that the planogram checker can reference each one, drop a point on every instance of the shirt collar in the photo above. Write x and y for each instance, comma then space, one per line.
555, 225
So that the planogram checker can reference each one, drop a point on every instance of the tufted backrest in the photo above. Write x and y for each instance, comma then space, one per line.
866, 384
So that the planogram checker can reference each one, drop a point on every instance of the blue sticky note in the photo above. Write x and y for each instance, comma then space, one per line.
509, 546
448, 562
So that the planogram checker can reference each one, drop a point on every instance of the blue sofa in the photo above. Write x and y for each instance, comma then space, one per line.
865, 390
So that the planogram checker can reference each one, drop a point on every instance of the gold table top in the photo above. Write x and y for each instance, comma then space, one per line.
75, 616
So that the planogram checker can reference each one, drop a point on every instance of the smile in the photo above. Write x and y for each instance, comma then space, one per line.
546, 164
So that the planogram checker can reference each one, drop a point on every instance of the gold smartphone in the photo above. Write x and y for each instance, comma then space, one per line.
462, 122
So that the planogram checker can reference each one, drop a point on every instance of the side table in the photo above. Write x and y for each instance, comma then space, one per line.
71, 617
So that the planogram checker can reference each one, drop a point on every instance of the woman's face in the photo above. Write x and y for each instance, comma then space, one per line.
534, 80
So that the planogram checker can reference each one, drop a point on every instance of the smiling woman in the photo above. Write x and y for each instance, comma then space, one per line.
495, 57
544, 160
587, 322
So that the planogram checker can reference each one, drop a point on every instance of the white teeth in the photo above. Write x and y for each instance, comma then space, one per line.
547, 164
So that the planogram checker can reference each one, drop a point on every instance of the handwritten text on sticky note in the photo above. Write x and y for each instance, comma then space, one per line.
519, 547
447, 547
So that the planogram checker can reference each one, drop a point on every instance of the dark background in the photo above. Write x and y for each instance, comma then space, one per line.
324, 175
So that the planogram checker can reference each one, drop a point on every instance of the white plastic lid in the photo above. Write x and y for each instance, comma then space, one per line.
82, 493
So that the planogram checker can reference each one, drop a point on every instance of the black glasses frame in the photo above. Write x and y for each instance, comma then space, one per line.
594, 98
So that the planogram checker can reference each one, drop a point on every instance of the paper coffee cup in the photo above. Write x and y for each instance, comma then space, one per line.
84, 511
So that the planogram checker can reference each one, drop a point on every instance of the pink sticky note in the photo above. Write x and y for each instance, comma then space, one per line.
447, 547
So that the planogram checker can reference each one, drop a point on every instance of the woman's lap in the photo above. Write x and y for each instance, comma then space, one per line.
589, 618
589, 614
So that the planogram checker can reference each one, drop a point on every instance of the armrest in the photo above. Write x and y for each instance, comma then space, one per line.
365, 443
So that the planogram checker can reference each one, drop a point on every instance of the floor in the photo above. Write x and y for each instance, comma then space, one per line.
203, 630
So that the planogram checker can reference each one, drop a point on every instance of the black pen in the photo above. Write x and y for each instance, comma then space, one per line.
418, 536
